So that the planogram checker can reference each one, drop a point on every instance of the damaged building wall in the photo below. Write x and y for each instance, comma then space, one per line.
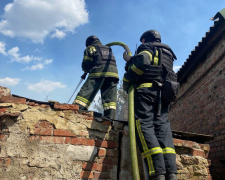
200, 104
54, 141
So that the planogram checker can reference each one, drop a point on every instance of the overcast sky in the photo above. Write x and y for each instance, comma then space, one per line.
42, 41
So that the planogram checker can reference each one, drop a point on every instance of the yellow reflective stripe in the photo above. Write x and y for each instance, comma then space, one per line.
169, 150
145, 85
152, 151
141, 136
145, 148
104, 74
91, 49
87, 58
150, 55
111, 105
83, 100
124, 79
156, 58
136, 70
81, 103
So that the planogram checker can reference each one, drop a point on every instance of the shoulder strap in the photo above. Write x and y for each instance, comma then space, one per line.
161, 45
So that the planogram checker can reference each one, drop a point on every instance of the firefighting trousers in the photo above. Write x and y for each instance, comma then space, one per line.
154, 136
108, 88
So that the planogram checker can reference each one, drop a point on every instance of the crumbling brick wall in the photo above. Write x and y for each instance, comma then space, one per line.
200, 105
53, 141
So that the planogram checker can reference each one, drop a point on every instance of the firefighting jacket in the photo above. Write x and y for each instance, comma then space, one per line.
99, 61
144, 66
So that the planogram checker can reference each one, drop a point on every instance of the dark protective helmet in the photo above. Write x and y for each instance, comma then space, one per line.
92, 39
151, 35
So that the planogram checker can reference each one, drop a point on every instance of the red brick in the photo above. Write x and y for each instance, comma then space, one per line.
19, 100
108, 123
87, 166
5, 99
177, 142
106, 144
44, 105
37, 125
59, 106
197, 152
88, 113
43, 131
83, 141
63, 132
188, 144
86, 175
3, 137
94, 166
101, 152
205, 147
89, 118
67, 140
46, 124
3, 109
31, 103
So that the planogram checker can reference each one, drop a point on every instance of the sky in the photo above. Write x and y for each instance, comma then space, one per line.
42, 41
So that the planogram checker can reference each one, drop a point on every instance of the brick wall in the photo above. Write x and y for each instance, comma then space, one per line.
200, 106
53, 141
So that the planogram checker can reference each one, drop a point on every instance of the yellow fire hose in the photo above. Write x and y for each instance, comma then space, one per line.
131, 121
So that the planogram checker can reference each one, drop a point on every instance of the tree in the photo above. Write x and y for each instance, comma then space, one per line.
122, 103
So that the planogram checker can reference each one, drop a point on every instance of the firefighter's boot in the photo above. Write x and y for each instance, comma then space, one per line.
171, 177
158, 177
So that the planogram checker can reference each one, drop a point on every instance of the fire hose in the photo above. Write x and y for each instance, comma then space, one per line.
131, 120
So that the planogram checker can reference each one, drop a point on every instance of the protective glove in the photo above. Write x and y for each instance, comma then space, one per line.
126, 57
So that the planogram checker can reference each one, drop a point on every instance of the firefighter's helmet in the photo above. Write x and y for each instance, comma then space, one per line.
151, 35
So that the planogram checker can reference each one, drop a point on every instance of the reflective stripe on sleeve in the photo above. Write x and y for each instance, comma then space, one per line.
156, 58
92, 50
126, 80
150, 55
104, 74
82, 101
152, 151
169, 150
110, 105
136, 70
145, 85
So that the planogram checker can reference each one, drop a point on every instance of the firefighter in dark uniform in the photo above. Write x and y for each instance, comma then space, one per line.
100, 63
154, 136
